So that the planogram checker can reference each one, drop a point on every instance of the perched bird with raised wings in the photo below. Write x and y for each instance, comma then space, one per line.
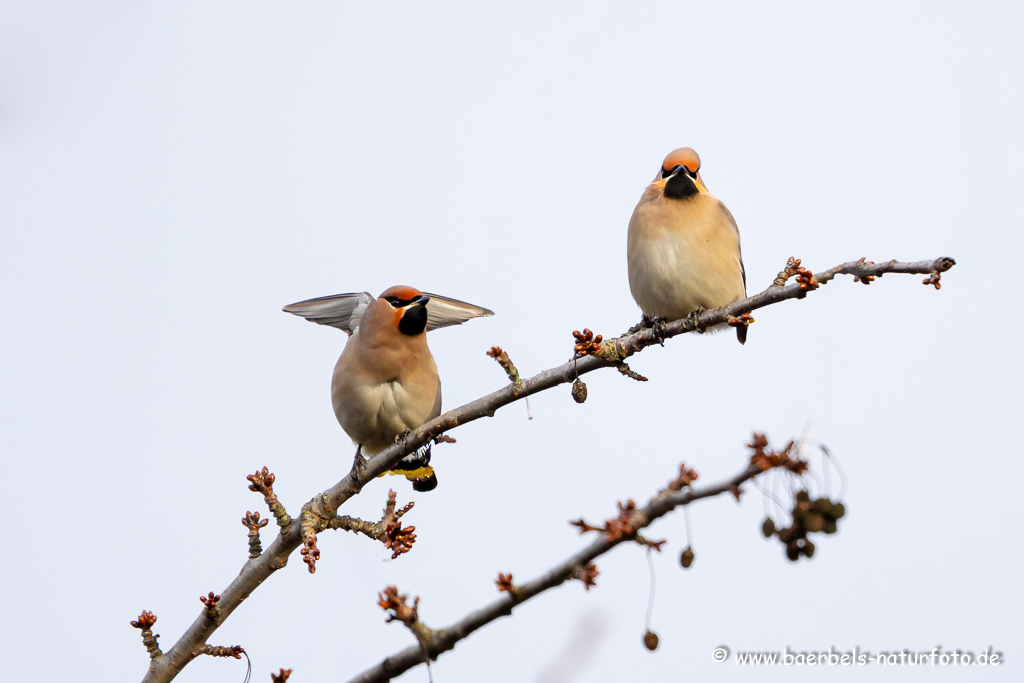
385, 382
683, 246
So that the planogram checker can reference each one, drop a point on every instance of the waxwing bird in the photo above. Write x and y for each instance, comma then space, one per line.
385, 382
683, 245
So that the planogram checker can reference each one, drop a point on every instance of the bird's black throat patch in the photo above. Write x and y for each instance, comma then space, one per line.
414, 321
680, 186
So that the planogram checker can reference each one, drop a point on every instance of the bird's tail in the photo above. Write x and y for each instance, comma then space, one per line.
416, 468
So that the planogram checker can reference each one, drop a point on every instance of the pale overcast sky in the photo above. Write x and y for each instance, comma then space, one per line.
172, 173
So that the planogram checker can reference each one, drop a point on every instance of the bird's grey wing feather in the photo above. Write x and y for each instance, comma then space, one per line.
736, 229
343, 311
442, 311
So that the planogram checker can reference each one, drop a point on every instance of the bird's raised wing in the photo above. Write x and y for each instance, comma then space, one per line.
442, 311
343, 311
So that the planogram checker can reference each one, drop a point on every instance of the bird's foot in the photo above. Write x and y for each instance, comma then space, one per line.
639, 326
654, 323
648, 321
692, 316
418, 458
358, 463
403, 437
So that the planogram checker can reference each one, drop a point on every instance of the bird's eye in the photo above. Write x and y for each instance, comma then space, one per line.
666, 172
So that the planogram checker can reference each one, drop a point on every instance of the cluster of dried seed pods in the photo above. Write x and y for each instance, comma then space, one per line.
809, 516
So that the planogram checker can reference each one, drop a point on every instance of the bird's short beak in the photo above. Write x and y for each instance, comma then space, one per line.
660, 182
423, 300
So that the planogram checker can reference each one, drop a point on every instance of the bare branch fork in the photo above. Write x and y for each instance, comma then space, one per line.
623, 529
321, 510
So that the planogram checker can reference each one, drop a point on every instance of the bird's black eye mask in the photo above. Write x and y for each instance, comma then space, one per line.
666, 172
399, 303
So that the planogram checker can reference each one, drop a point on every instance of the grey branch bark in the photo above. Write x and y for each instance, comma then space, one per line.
445, 639
325, 505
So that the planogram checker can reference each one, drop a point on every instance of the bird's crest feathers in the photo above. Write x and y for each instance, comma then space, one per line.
684, 156
401, 292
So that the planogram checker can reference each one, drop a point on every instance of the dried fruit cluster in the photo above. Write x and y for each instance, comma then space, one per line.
809, 516
579, 391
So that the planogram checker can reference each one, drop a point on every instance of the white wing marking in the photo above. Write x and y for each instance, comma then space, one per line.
343, 311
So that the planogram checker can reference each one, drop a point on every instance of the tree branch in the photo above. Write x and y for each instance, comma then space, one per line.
612, 352
388, 530
440, 641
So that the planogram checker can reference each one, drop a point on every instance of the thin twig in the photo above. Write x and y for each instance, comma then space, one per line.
388, 530
506, 364
445, 639
145, 624
253, 523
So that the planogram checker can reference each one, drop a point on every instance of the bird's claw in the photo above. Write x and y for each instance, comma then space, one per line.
403, 438
415, 460
648, 321
692, 319
654, 323
358, 463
